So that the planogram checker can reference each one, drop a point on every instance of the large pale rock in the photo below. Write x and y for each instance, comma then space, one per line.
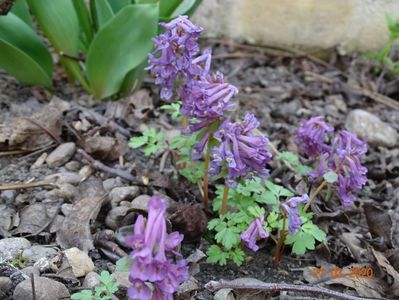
34, 253
351, 25
371, 128
45, 289
10, 248
80, 262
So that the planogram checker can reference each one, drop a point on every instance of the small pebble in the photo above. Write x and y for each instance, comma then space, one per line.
62, 154
119, 194
80, 262
72, 166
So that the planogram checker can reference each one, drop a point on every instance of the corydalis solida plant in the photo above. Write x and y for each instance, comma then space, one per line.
157, 269
206, 99
340, 160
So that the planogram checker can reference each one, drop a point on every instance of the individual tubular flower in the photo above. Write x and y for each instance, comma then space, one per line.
291, 208
254, 232
241, 153
310, 137
173, 54
157, 269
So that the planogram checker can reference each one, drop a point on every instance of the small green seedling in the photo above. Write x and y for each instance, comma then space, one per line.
151, 141
104, 291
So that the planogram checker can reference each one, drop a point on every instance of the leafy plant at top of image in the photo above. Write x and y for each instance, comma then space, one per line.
107, 287
102, 44
384, 56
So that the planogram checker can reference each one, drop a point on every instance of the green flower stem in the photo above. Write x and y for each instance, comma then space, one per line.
280, 244
206, 176
223, 208
316, 192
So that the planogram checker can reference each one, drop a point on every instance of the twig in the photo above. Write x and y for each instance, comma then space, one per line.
117, 172
278, 287
32, 281
100, 166
46, 130
26, 185
103, 121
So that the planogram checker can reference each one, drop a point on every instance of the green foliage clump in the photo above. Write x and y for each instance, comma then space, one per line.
102, 44
104, 291
151, 140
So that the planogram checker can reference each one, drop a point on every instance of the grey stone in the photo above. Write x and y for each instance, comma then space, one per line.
141, 202
91, 280
61, 155
65, 191
66, 208
112, 183
8, 196
369, 127
34, 253
119, 194
5, 284
10, 248
115, 216
45, 289
32, 270
72, 166
66, 177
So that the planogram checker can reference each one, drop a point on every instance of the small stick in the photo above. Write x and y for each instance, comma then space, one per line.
100, 166
317, 191
278, 287
32, 281
206, 176
26, 185
280, 244
223, 208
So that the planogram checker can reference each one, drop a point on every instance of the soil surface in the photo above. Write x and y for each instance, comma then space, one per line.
280, 87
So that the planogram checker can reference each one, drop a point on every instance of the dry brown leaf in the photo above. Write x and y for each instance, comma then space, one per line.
34, 131
75, 230
383, 262
34, 217
379, 222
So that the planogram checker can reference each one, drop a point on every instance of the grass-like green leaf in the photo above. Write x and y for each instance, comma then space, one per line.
60, 23
21, 10
22, 53
101, 12
117, 5
120, 45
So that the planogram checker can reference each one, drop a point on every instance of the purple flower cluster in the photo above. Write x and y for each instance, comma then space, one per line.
157, 269
207, 100
254, 232
291, 208
311, 136
342, 157
241, 153
174, 52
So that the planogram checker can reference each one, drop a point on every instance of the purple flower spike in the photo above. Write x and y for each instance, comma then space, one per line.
157, 268
173, 54
291, 208
254, 232
310, 137
241, 153
347, 160
207, 100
